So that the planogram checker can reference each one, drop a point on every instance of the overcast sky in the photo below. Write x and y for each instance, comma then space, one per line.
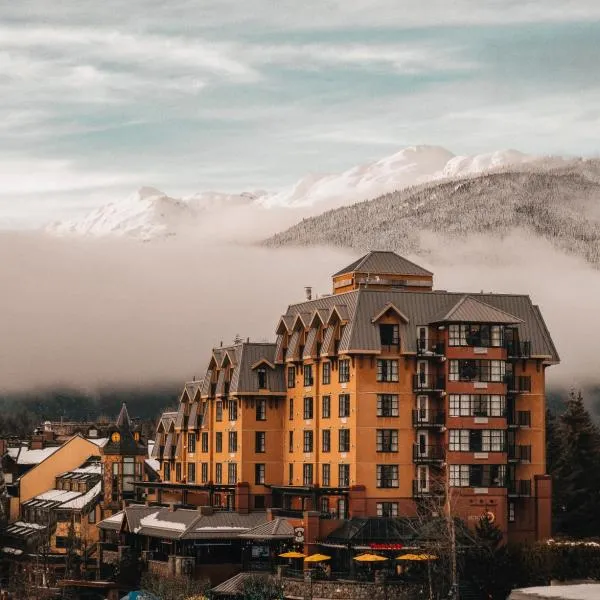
99, 98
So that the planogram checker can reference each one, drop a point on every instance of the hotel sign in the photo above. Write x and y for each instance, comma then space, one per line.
375, 546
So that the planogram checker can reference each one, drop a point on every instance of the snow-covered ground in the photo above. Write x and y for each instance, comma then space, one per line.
583, 591
150, 213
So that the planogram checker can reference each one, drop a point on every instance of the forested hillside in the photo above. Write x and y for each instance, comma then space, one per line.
561, 205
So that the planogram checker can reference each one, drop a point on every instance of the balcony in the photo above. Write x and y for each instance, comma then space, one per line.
519, 454
519, 418
518, 350
520, 488
430, 348
428, 454
429, 418
424, 382
423, 489
518, 384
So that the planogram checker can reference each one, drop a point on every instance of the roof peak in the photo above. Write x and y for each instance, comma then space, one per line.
384, 261
123, 420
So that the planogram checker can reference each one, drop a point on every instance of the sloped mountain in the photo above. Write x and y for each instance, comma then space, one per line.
561, 205
150, 213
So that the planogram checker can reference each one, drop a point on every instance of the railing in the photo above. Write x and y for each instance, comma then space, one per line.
520, 383
424, 382
430, 348
520, 488
519, 453
428, 418
427, 454
517, 349
519, 418
426, 488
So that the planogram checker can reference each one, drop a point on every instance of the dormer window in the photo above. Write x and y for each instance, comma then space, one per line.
389, 335
262, 378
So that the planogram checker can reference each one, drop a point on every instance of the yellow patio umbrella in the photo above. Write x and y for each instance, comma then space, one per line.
369, 558
416, 557
317, 558
292, 554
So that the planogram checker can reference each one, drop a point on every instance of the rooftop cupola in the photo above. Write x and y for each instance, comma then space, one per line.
383, 270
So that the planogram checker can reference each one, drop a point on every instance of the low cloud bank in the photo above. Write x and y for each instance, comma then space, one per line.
112, 312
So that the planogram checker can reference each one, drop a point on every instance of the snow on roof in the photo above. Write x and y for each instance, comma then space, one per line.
153, 464
100, 442
582, 591
150, 448
221, 528
14, 452
152, 521
28, 525
35, 457
10, 550
116, 518
57, 495
94, 469
84, 499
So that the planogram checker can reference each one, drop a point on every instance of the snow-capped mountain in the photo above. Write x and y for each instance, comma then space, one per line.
150, 213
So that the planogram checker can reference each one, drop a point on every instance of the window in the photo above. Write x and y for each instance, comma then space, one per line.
308, 408
326, 407
342, 509
477, 370
232, 473
344, 440
308, 440
92, 516
344, 403
218, 473
308, 377
261, 409
204, 472
167, 472
387, 509
259, 473
344, 370
326, 478
493, 440
387, 440
259, 441
232, 442
459, 475
233, 410
291, 474
291, 441
191, 444
291, 408
387, 370
343, 475
458, 440
387, 476
191, 472
219, 441
389, 335
326, 373
261, 375
326, 446
387, 405
178, 471
307, 474
291, 377
511, 512
219, 410
204, 441
477, 405
474, 334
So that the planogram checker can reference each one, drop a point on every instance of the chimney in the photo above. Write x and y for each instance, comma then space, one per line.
206, 510
308, 292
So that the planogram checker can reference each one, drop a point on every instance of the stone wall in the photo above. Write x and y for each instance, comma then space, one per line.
349, 590
159, 567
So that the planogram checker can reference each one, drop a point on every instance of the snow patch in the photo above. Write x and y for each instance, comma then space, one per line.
152, 521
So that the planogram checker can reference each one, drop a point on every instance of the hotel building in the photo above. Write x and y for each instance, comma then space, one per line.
371, 401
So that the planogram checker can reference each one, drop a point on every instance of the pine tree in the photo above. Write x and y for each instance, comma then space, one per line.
553, 442
577, 472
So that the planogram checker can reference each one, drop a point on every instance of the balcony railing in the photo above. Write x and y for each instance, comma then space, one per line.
519, 418
519, 453
428, 454
519, 488
421, 488
428, 418
430, 348
518, 384
424, 382
516, 349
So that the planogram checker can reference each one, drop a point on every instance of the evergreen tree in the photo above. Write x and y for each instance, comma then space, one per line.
553, 442
577, 471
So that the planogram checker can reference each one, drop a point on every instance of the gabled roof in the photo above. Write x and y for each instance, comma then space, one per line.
235, 585
341, 310
470, 310
123, 419
380, 261
390, 306
277, 529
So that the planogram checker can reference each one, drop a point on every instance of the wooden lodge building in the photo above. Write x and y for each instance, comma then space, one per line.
370, 402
